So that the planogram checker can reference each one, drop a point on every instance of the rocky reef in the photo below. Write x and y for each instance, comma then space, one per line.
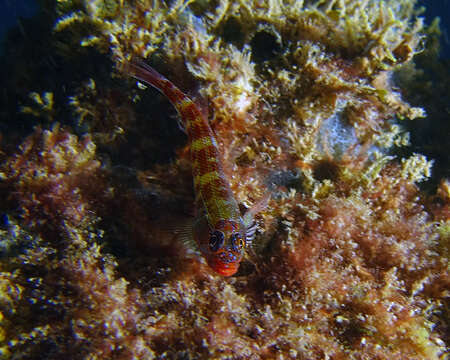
307, 100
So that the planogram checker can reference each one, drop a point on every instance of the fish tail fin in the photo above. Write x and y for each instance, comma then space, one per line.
146, 74
186, 108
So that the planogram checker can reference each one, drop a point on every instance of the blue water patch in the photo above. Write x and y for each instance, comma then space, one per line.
12, 10
441, 9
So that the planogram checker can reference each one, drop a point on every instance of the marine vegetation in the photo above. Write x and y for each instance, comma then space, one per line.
302, 100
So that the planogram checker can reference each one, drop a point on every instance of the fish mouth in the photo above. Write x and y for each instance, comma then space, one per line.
224, 269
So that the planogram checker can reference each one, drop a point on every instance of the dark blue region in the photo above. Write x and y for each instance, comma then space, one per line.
441, 9
12, 10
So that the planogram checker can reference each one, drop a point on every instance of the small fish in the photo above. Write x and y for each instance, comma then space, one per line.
219, 230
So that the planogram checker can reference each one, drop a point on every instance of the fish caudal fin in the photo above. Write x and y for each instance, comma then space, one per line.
145, 73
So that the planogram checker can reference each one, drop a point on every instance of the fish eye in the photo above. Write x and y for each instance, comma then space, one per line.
236, 242
216, 240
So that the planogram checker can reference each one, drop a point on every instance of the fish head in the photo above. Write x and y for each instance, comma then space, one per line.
225, 247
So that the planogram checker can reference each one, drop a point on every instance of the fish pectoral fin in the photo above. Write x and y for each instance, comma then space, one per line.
250, 232
184, 231
201, 232
251, 226
257, 207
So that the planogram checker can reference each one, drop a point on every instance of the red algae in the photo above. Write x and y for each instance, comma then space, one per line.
47, 178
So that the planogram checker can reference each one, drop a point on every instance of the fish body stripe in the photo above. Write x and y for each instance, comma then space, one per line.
203, 179
205, 160
201, 143
213, 192
213, 189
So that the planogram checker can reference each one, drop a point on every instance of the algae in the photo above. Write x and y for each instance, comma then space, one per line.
307, 99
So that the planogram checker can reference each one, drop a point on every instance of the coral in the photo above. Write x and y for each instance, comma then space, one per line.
351, 257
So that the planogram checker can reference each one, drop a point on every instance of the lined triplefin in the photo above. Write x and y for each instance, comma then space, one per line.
219, 230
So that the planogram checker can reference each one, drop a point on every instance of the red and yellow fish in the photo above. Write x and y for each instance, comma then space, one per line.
220, 231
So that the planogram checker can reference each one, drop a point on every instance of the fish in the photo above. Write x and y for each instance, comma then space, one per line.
219, 230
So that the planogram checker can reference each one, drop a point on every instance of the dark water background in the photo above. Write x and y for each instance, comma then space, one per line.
11, 12
441, 9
